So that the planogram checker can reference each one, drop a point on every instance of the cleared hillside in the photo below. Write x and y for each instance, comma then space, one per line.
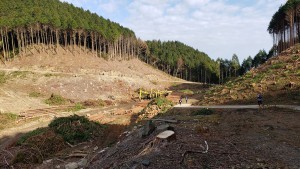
74, 76
278, 80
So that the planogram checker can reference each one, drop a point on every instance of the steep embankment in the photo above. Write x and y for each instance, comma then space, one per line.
74, 76
278, 80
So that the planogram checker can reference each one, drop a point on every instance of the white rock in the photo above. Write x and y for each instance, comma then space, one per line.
95, 148
72, 165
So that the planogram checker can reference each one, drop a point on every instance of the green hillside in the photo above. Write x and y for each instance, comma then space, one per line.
180, 60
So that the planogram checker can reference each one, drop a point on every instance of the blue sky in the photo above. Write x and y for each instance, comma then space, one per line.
219, 28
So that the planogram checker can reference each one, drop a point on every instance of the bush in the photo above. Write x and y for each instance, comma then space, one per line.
55, 100
26, 136
76, 129
39, 144
202, 112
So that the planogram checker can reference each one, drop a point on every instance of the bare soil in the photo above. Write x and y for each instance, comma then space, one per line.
235, 139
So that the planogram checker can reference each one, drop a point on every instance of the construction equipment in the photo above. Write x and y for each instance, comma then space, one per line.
143, 94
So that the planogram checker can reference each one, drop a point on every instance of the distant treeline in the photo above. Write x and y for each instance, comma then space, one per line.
180, 60
285, 25
50, 23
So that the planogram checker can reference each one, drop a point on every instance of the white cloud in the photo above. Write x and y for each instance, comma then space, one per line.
216, 27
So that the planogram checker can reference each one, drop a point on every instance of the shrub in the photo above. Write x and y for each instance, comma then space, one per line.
55, 100
40, 144
76, 129
202, 112
35, 132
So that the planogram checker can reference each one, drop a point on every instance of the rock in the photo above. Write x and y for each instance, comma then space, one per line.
47, 161
146, 162
88, 115
167, 135
82, 162
72, 165
147, 129
58, 166
95, 148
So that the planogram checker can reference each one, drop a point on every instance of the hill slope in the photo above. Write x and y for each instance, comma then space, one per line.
76, 77
278, 80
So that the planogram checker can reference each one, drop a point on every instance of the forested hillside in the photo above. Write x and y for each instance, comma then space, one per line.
180, 60
50, 23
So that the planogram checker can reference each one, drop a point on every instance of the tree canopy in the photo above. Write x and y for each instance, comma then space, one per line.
51, 22
285, 25
182, 61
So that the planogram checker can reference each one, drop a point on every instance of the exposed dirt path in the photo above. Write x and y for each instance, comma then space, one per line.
293, 107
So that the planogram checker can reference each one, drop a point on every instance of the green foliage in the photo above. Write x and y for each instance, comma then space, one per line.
295, 57
28, 135
162, 102
55, 100
202, 112
181, 60
76, 129
77, 107
278, 66
35, 94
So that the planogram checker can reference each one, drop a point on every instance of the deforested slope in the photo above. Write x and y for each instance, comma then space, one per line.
278, 80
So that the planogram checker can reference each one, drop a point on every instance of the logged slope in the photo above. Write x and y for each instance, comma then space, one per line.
278, 80
76, 77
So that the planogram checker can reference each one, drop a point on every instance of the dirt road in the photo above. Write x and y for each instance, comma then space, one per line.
293, 107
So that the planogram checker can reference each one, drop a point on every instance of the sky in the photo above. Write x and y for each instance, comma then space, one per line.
220, 28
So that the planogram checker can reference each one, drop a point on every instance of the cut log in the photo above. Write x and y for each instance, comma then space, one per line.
168, 135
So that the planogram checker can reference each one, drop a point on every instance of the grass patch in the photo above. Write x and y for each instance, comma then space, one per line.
202, 112
35, 94
76, 129
7, 120
55, 100
19, 74
3, 77
77, 107
187, 91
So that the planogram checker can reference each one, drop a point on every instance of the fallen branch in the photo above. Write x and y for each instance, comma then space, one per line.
76, 155
191, 151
